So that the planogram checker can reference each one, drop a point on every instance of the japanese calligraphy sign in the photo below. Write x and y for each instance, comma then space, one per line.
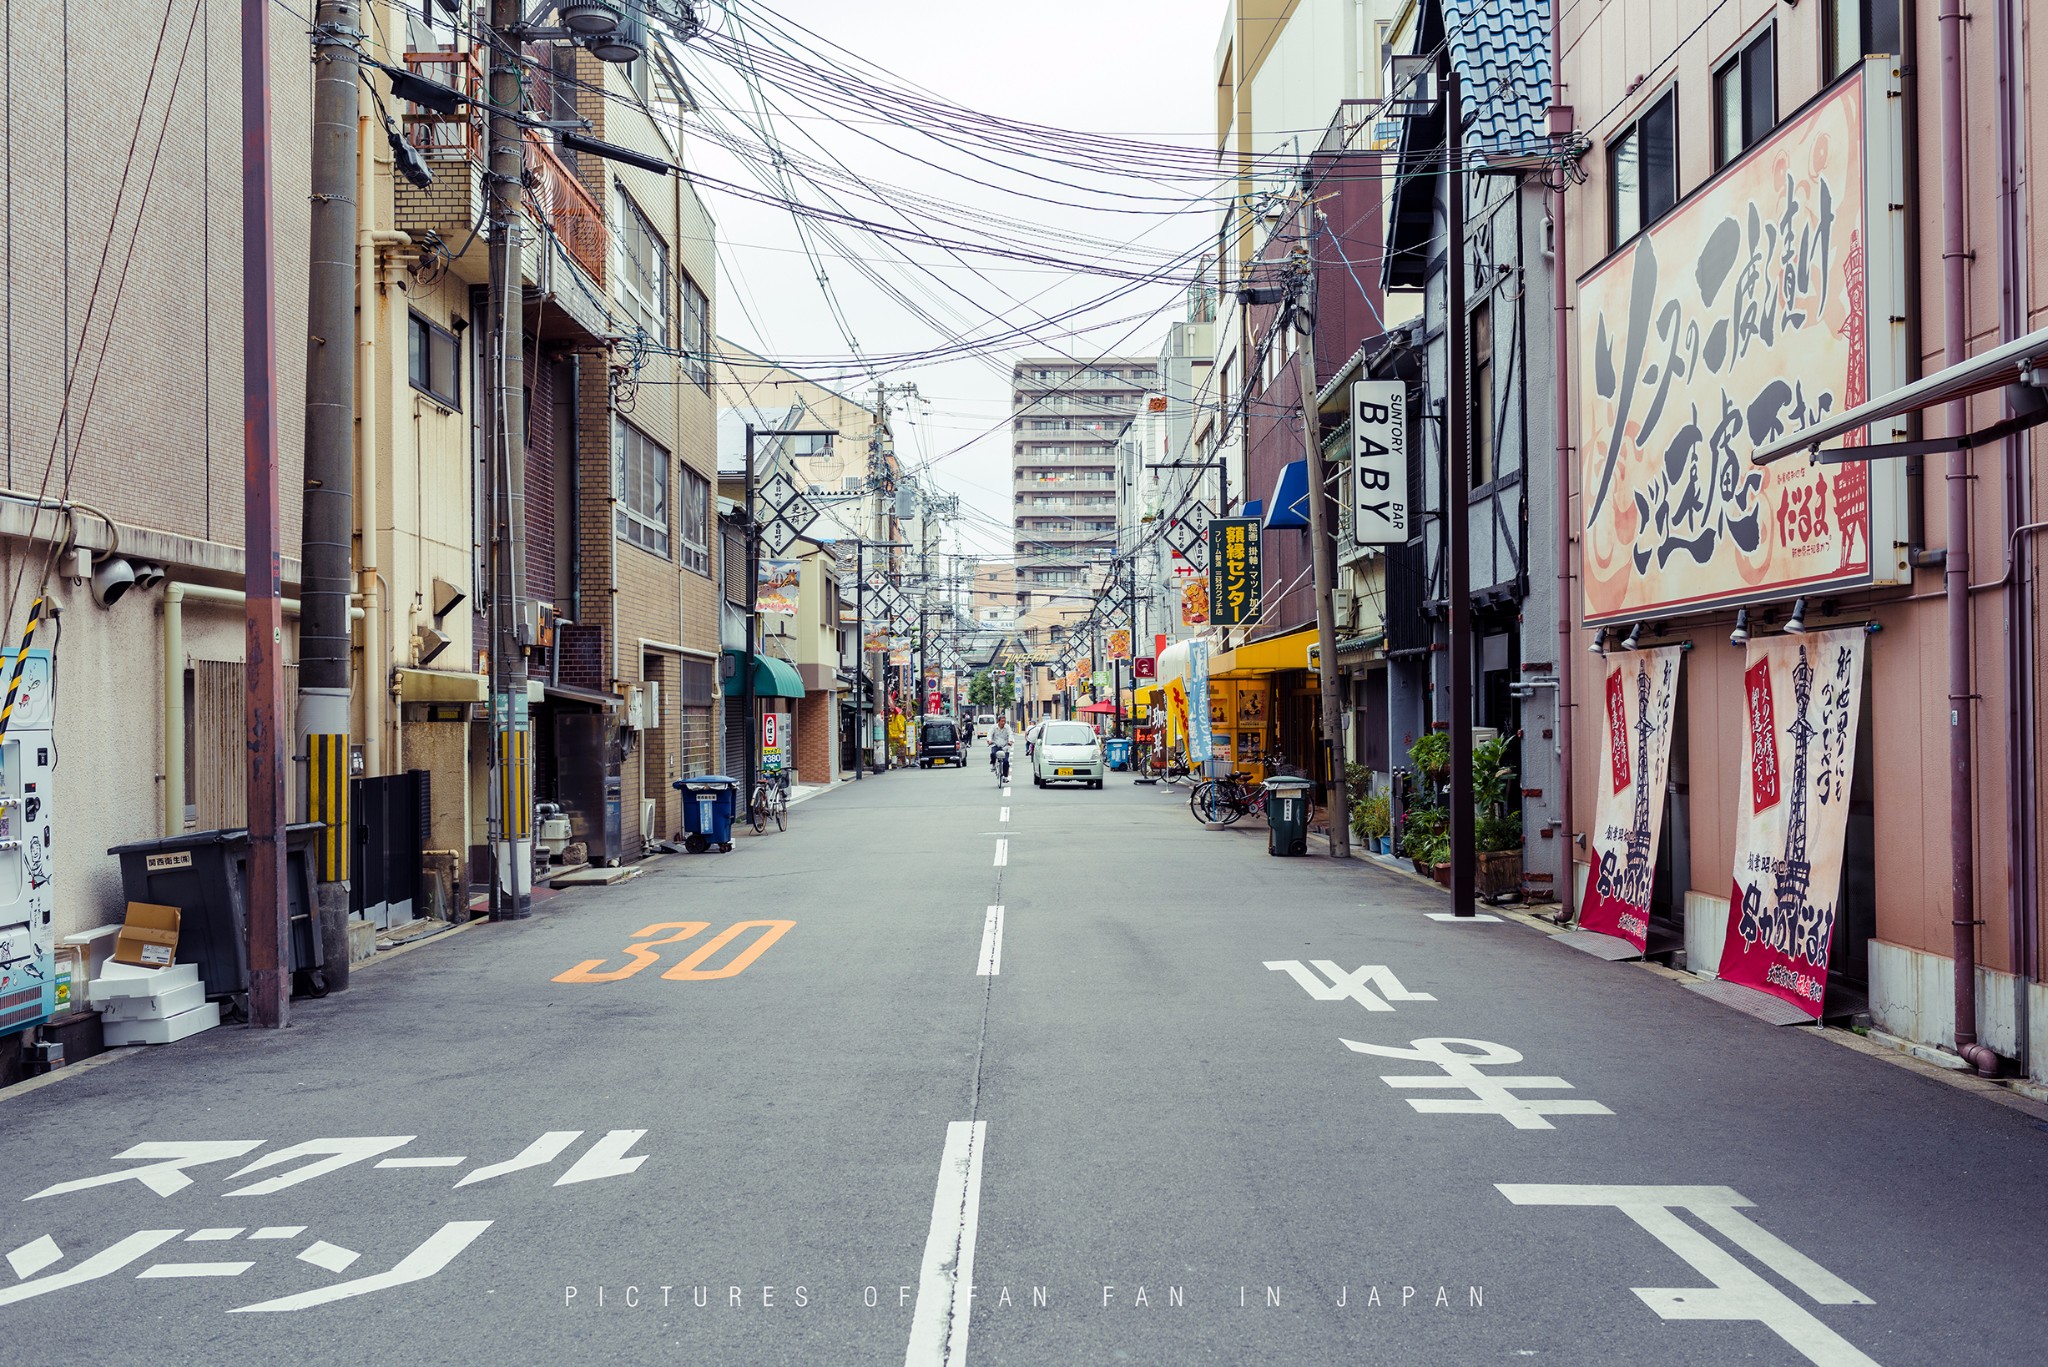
779, 583
1233, 571
1801, 699
1379, 462
1628, 813
1762, 304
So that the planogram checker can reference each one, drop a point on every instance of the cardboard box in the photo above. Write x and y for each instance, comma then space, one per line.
149, 937
162, 1031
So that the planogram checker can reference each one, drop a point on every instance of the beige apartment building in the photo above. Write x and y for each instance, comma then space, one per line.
1067, 419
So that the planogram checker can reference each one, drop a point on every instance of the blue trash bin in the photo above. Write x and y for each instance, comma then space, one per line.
708, 802
1117, 750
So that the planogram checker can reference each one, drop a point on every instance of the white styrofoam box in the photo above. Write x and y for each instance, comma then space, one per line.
157, 1005
162, 1031
133, 980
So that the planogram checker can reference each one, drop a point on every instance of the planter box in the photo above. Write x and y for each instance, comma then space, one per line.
1442, 874
1499, 873
1420, 867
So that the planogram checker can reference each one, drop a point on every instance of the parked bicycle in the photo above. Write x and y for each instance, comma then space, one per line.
770, 802
1222, 801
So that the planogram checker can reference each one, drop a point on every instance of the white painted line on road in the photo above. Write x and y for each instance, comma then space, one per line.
215, 1234
279, 1232
1006, 790
452, 1162
437, 1252
1453, 916
1002, 851
195, 1270
991, 960
945, 1299
1003, 815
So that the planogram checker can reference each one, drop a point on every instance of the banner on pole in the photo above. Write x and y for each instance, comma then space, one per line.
1119, 644
1194, 602
1628, 817
1200, 739
1801, 698
777, 592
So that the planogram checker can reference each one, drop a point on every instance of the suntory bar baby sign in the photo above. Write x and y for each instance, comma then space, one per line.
1766, 301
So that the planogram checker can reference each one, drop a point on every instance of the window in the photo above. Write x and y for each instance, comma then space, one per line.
696, 330
1745, 99
640, 484
640, 266
1480, 433
434, 361
1642, 169
1853, 29
814, 444
696, 522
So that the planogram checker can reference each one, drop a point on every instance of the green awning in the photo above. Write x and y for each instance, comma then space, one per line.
772, 678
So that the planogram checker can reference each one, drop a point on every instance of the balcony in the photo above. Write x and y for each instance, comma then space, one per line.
454, 146
1063, 484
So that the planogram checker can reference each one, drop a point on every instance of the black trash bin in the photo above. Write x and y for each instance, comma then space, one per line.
205, 875
1287, 807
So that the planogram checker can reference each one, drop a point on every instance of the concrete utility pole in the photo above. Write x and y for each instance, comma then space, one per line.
511, 727
1457, 493
268, 926
1322, 536
328, 500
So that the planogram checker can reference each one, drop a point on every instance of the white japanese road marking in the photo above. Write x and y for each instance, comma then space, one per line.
168, 1175
279, 1232
605, 1158
1453, 916
1737, 1293
1002, 851
329, 1155
545, 1149
159, 1270
1490, 1095
437, 1252
110, 1260
1350, 986
945, 1296
35, 1255
991, 960
202, 1236
454, 1162
332, 1257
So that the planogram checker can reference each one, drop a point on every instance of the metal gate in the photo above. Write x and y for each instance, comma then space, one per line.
388, 829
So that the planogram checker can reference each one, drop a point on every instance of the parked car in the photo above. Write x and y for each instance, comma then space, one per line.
938, 742
1067, 752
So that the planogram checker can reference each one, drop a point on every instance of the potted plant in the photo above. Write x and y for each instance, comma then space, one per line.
1371, 821
1424, 839
1496, 827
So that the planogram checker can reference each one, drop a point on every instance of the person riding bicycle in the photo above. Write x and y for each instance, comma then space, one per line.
999, 740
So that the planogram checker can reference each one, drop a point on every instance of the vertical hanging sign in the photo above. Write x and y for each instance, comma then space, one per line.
1641, 695
1379, 462
1201, 740
1801, 699
1233, 571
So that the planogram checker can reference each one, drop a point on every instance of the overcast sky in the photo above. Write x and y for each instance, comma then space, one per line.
1128, 67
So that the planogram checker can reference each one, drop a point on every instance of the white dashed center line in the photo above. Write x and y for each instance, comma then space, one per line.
1002, 850
991, 962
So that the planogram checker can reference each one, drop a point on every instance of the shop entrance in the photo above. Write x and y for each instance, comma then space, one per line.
1848, 990
1674, 846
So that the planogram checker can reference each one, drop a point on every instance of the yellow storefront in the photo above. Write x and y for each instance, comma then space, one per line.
1243, 708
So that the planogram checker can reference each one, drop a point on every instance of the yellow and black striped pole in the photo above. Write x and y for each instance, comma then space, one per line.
327, 779
35, 615
515, 784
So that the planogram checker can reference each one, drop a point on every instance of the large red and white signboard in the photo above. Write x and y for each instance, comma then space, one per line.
1628, 818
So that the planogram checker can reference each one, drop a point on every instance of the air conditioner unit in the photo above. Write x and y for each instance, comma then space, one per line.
650, 705
636, 705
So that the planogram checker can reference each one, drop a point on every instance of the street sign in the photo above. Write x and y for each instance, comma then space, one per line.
1234, 580
1379, 462
876, 579
783, 513
1145, 667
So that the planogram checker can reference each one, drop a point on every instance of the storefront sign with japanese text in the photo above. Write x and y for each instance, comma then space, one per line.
1233, 571
1628, 812
1760, 305
1379, 462
1801, 698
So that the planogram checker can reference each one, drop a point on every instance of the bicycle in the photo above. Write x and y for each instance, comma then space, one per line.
1171, 766
1223, 801
1001, 760
770, 800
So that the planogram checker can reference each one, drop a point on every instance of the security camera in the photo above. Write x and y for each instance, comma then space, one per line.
110, 580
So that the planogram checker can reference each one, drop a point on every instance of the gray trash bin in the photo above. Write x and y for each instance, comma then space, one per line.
1287, 807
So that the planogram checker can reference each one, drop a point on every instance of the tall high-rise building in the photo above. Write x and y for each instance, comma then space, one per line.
1067, 418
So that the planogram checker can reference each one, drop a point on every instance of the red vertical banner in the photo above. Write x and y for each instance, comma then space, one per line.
1802, 696
1642, 696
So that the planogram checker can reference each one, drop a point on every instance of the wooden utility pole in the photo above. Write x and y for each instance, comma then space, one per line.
1322, 544
268, 925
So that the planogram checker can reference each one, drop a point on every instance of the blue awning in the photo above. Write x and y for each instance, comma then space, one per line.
1253, 507
1289, 503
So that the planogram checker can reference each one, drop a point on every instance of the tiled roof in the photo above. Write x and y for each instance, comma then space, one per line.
1502, 52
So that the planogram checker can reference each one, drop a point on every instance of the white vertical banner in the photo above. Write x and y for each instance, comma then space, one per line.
1379, 462
1638, 701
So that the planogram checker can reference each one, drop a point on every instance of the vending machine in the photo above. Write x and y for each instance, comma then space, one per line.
28, 970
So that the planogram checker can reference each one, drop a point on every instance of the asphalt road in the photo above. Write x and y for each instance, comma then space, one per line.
1137, 1140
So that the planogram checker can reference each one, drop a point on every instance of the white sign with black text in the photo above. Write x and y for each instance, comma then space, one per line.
1379, 462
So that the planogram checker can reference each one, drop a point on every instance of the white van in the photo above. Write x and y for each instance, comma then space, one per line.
985, 722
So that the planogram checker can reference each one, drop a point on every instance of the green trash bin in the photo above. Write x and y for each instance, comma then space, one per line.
1288, 802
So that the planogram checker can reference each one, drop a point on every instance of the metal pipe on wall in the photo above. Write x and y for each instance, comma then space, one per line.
1566, 705
1956, 567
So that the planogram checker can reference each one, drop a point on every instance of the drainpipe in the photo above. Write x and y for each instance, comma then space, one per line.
1956, 567
1560, 314
175, 597
2023, 898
